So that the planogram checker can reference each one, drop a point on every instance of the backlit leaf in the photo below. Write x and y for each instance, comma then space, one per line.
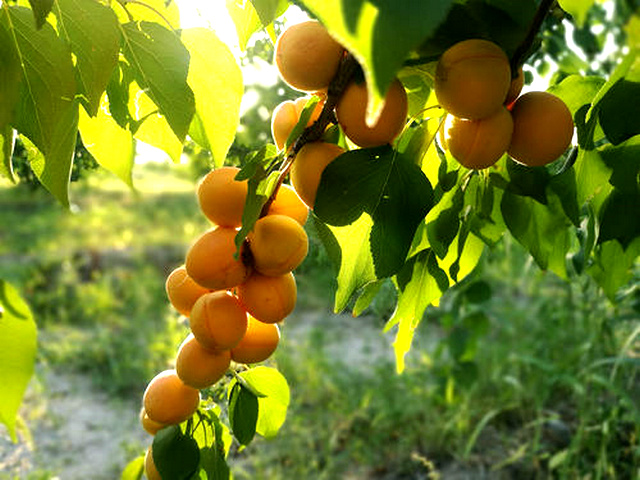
578, 9
7, 140
275, 402
245, 18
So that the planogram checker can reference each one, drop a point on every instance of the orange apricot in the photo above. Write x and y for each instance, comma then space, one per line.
515, 88
308, 166
218, 321
222, 197
182, 290
199, 367
472, 79
150, 426
351, 114
150, 469
278, 244
287, 202
307, 57
478, 144
210, 261
268, 299
168, 400
542, 128
286, 115
260, 341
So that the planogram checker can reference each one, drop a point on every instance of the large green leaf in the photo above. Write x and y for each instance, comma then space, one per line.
274, 403
47, 113
577, 90
41, 9
216, 80
161, 63
245, 18
624, 161
380, 33
175, 454
17, 353
91, 29
619, 110
159, 11
9, 76
578, 9
627, 63
243, 413
592, 176
269, 10
612, 268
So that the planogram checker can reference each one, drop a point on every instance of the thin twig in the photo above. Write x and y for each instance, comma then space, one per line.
519, 56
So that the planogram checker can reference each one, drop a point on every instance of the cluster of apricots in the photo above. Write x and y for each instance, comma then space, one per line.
234, 300
487, 117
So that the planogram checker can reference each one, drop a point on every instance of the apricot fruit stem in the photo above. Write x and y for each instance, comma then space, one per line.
523, 50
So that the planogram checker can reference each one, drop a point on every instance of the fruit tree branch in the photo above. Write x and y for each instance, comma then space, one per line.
520, 54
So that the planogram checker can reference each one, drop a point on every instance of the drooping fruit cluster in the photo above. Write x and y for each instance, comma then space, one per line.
234, 302
487, 119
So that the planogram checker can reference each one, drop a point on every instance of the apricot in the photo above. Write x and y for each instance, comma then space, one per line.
472, 79
218, 321
221, 197
278, 244
478, 144
287, 202
268, 299
286, 116
308, 166
182, 290
307, 57
210, 261
199, 367
351, 113
150, 469
542, 128
260, 341
168, 400
515, 88
150, 426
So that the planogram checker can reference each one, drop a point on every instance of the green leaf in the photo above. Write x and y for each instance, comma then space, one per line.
380, 34
7, 141
10, 76
91, 29
41, 9
158, 11
47, 113
112, 146
592, 176
134, 469
269, 10
578, 9
366, 296
245, 18
577, 90
213, 464
216, 80
175, 454
17, 353
612, 268
624, 161
478, 292
620, 218
118, 92
273, 406
619, 110
243, 413
160, 64
389, 188
214, 440
627, 63
442, 229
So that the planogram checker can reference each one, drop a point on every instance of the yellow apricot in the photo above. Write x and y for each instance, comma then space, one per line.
472, 79
268, 299
168, 400
286, 115
182, 290
218, 321
150, 469
351, 114
199, 367
542, 128
287, 202
210, 261
478, 144
150, 426
308, 166
307, 57
260, 341
278, 244
515, 88
221, 197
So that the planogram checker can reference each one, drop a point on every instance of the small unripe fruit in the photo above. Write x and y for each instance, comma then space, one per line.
199, 367
478, 144
286, 115
472, 79
182, 290
542, 128
278, 244
168, 400
210, 261
218, 321
351, 114
260, 341
308, 166
221, 197
268, 299
307, 57
287, 202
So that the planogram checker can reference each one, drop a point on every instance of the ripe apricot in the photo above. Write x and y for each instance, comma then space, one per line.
307, 57
221, 197
515, 88
268, 299
542, 128
286, 115
287, 202
199, 367
278, 244
308, 166
210, 261
218, 321
182, 290
150, 469
260, 341
478, 144
168, 400
150, 426
351, 114
472, 79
